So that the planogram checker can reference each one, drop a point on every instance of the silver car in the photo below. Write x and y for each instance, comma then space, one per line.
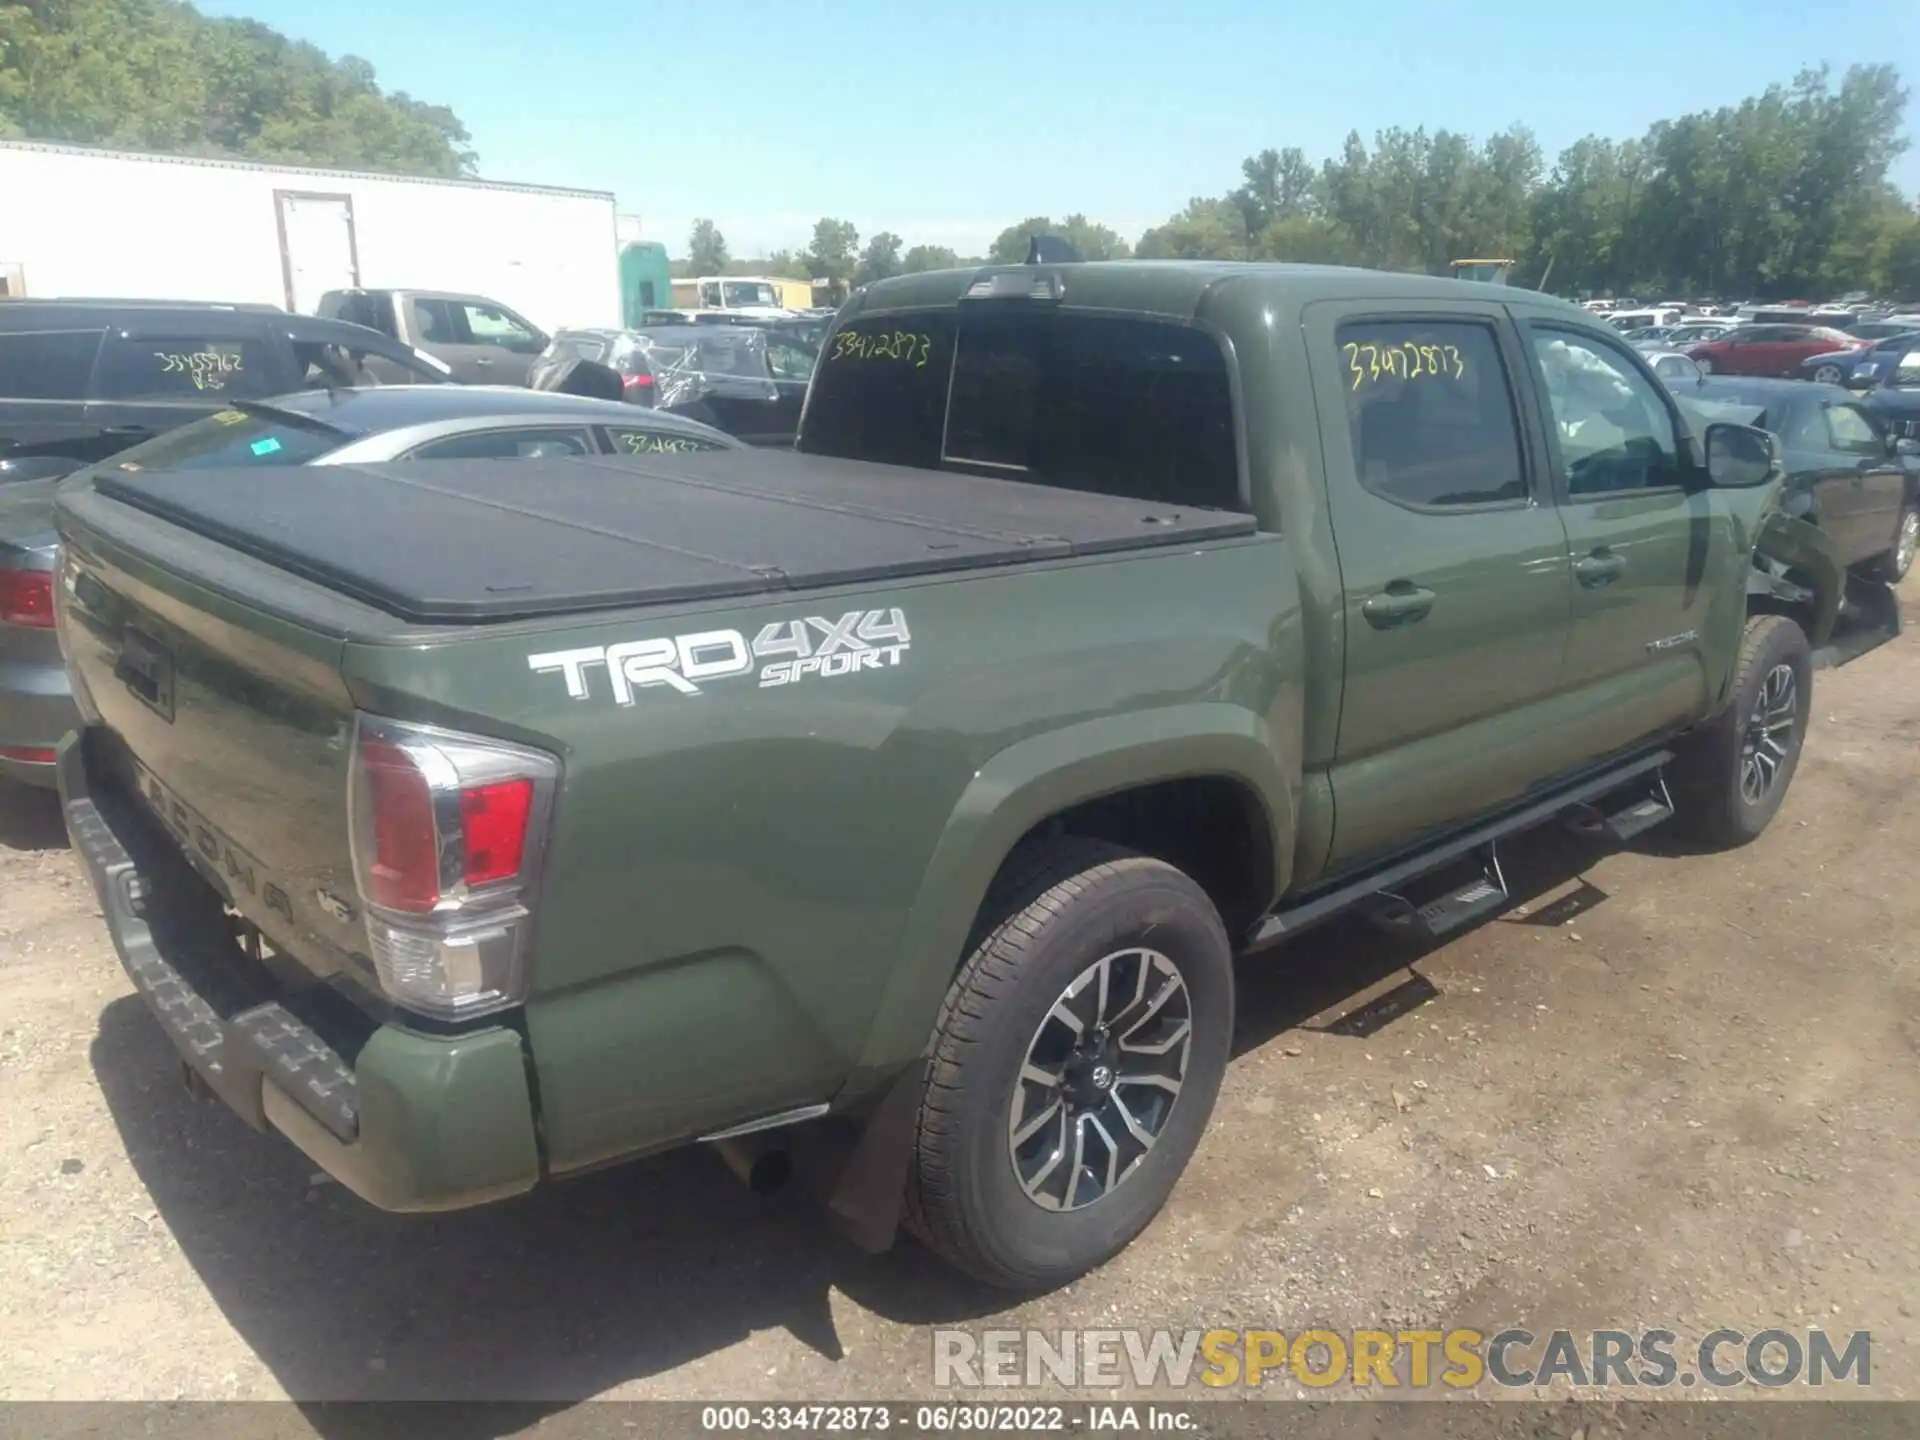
336, 427
1675, 370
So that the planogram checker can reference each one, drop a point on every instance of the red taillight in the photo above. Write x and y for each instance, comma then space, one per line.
494, 818
31, 754
26, 598
403, 872
447, 834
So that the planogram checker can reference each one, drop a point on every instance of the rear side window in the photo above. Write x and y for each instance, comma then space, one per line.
46, 364
1115, 405
182, 367
439, 322
1431, 413
376, 313
528, 444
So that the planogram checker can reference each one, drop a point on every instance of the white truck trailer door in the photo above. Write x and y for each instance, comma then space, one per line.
317, 250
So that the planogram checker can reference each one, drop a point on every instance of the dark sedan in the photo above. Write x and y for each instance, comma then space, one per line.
1847, 471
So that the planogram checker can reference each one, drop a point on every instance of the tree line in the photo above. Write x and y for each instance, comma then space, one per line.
158, 75
1785, 194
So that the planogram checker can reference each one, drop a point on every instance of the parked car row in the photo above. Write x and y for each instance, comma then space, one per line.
749, 381
137, 386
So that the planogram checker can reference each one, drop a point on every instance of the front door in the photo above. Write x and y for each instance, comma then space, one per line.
1879, 476
1641, 538
1453, 565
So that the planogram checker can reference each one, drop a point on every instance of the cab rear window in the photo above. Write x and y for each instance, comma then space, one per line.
1117, 405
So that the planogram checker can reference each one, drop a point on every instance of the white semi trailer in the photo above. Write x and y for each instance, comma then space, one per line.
76, 221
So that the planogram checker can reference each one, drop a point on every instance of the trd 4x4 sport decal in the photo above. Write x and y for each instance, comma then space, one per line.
858, 640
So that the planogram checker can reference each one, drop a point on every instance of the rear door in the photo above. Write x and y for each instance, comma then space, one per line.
1639, 536
1453, 564
1745, 350
151, 378
43, 392
317, 250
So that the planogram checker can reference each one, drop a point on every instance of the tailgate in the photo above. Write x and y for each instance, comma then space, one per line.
234, 726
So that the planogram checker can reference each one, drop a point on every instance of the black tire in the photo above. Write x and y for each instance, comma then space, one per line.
1893, 566
1058, 908
1713, 774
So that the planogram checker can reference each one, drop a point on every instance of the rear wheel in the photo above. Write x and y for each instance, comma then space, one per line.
1705, 363
1730, 777
1075, 1064
1893, 566
1827, 375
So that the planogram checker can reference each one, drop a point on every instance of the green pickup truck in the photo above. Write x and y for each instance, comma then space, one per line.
895, 809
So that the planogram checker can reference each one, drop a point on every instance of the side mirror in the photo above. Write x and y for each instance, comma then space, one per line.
1906, 445
1741, 457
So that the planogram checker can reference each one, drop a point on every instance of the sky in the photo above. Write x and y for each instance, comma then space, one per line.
947, 123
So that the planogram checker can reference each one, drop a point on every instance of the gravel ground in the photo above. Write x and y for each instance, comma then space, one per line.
1670, 1090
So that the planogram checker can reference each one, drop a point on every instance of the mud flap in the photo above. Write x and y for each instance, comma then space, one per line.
864, 1182
1820, 575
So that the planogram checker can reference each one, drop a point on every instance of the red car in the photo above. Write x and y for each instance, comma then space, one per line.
1770, 349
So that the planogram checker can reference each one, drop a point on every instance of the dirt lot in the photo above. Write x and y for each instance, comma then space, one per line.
1676, 1090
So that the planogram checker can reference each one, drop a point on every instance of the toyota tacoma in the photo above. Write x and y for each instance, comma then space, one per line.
901, 805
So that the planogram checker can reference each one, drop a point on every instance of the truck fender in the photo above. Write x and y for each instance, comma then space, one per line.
1810, 552
1008, 796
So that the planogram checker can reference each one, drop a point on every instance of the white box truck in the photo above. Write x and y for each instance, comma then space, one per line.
76, 221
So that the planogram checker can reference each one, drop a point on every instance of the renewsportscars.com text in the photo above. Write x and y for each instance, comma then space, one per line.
1378, 1360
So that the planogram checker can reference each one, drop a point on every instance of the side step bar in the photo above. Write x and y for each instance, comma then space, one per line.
1572, 803
1455, 910
1622, 825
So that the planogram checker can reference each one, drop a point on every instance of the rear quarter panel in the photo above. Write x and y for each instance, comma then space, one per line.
756, 896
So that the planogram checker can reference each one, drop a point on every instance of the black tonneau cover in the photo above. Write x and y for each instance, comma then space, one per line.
485, 540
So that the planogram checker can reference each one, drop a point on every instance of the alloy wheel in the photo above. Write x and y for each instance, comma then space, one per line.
1100, 1079
1769, 737
1909, 542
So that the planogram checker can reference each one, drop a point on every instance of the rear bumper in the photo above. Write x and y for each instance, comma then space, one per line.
404, 1120
36, 709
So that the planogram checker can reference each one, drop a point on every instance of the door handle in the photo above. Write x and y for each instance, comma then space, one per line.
1401, 603
1602, 567
127, 432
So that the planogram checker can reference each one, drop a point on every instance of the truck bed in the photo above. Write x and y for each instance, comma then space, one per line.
463, 541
